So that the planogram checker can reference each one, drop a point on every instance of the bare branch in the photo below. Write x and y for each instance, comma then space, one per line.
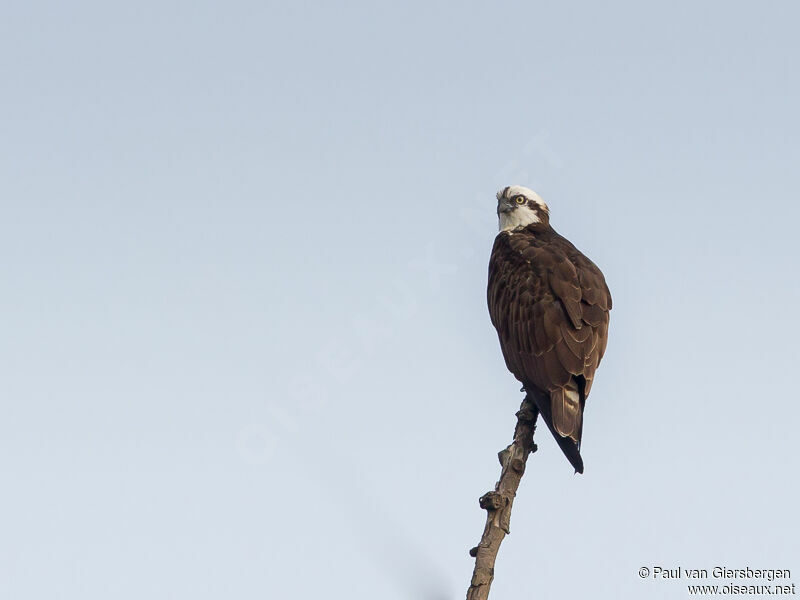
498, 503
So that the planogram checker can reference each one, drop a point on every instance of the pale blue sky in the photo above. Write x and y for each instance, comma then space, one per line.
245, 351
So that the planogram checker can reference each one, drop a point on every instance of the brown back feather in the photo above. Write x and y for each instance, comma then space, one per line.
550, 305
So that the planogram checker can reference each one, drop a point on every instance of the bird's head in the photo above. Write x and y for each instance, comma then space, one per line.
519, 206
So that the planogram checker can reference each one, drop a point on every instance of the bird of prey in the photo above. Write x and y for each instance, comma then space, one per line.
550, 305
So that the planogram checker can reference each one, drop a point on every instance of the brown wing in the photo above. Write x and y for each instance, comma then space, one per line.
550, 305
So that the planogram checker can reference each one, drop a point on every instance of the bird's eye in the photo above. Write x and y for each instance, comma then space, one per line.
519, 199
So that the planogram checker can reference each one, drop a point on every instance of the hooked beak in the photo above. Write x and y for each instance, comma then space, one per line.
504, 206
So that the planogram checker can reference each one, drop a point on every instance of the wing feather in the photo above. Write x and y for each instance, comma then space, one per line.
550, 305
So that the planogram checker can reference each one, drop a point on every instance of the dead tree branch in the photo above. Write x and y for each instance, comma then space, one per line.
498, 503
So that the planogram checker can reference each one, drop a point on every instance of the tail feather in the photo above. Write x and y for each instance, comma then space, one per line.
562, 410
567, 412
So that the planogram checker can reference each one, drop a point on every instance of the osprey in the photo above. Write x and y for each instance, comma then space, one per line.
550, 305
